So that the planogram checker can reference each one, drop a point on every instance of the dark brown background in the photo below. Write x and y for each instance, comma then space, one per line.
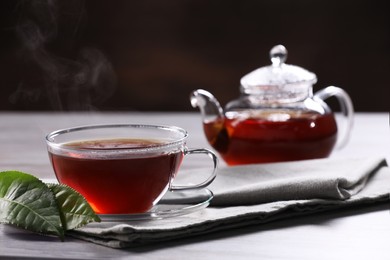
149, 55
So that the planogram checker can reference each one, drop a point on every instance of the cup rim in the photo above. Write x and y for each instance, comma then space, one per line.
60, 146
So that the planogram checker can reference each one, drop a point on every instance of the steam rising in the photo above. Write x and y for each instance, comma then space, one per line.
77, 83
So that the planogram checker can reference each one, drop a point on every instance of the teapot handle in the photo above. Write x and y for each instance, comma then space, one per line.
346, 109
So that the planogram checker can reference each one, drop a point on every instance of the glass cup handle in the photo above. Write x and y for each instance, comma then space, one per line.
346, 109
209, 179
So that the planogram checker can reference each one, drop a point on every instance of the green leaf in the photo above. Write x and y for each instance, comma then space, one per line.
27, 202
74, 209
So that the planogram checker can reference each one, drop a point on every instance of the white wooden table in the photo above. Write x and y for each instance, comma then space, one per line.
357, 233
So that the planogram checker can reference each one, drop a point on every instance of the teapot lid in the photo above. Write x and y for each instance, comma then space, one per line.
277, 74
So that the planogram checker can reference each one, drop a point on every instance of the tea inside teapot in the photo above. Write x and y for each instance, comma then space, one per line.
271, 136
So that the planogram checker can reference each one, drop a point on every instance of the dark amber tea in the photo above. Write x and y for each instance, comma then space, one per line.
117, 185
272, 136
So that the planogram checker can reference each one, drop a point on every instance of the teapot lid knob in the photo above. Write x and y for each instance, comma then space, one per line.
278, 55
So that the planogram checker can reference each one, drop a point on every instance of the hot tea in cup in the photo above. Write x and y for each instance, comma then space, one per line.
121, 169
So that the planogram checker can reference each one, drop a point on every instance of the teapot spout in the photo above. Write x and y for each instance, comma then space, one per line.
209, 106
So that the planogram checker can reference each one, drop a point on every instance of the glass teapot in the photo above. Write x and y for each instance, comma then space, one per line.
276, 118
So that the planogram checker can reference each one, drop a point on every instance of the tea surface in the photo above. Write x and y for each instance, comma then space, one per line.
111, 144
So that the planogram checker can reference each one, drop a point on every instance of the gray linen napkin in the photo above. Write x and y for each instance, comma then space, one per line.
323, 178
256, 194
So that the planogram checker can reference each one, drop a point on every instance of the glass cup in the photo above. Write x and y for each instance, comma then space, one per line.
122, 168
